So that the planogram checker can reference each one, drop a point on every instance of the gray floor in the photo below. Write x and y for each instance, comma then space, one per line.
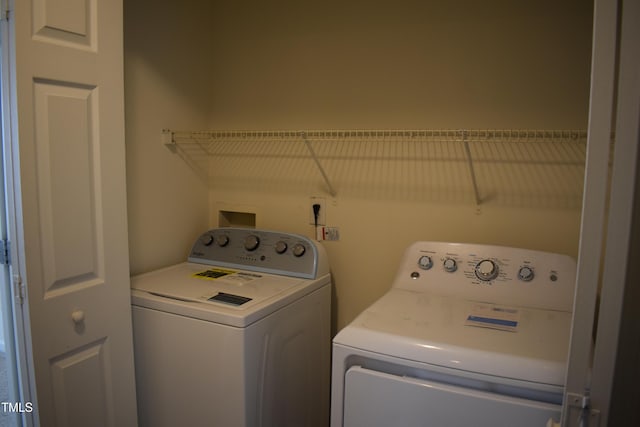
6, 420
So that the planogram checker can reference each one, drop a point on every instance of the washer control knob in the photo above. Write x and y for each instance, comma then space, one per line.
299, 249
425, 262
486, 270
251, 242
206, 239
222, 240
281, 247
525, 274
450, 265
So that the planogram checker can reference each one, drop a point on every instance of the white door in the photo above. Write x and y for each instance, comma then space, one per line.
71, 248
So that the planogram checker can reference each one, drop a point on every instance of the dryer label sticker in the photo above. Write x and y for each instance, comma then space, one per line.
213, 274
494, 317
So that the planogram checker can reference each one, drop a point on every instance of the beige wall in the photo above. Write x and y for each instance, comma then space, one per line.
165, 72
400, 64
345, 65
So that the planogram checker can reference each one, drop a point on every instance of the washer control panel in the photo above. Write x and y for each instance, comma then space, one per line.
259, 250
488, 273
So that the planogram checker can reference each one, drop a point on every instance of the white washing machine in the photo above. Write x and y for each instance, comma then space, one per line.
468, 335
237, 336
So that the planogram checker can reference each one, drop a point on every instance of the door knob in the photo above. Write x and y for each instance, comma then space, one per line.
77, 316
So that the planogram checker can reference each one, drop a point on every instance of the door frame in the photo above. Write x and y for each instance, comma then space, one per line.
599, 357
11, 168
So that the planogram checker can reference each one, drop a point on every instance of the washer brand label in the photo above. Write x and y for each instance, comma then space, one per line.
241, 278
249, 275
213, 274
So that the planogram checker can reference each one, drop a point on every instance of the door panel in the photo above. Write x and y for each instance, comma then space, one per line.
82, 402
73, 251
68, 187
65, 22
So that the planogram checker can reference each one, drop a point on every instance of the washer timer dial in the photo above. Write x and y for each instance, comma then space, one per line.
251, 242
486, 270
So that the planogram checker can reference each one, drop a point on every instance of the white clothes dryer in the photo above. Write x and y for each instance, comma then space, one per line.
468, 335
239, 335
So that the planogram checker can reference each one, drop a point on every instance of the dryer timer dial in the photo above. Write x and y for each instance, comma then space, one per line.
486, 270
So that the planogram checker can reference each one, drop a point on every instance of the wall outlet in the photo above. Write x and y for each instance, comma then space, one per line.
322, 214
328, 233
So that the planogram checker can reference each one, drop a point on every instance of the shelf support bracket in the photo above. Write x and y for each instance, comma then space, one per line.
167, 139
472, 171
332, 191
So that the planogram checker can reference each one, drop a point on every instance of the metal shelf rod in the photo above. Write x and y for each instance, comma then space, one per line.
472, 172
332, 191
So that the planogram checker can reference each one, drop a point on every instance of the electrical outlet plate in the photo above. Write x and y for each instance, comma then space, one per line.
322, 215
329, 233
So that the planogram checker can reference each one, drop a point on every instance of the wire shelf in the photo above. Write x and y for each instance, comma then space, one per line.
503, 164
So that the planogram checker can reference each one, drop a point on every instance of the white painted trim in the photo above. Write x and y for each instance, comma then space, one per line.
592, 233
619, 228
22, 334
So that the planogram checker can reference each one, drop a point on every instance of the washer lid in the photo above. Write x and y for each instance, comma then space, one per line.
511, 342
220, 294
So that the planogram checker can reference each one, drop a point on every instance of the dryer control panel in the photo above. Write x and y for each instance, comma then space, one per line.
265, 251
496, 274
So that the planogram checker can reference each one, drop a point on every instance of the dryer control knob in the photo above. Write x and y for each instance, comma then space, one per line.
450, 265
251, 242
486, 270
425, 262
525, 274
281, 247
299, 249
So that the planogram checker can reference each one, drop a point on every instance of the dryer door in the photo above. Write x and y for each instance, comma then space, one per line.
374, 398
